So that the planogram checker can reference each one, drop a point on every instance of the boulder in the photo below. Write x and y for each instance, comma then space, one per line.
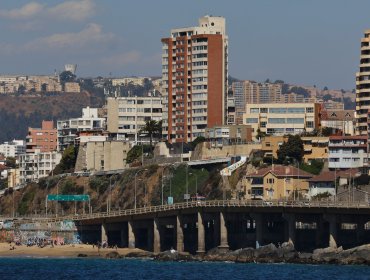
167, 256
326, 255
141, 255
267, 253
113, 255
245, 255
216, 254
81, 256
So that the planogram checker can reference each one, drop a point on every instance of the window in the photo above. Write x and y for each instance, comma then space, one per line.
252, 120
296, 110
295, 120
270, 180
309, 124
264, 110
263, 124
277, 110
276, 120
254, 110
309, 110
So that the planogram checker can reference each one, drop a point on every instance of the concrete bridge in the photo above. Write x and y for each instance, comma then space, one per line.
196, 227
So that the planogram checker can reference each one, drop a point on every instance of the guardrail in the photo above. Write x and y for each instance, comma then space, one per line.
197, 204
220, 203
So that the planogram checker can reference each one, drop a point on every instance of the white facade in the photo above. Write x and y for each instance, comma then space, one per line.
13, 148
37, 165
126, 116
347, 152
68, 129
282, 119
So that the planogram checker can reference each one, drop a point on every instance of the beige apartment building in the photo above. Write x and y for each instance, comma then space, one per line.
107, 155
282, 118
72, 87
315, 147
276, 182
129, 80
126, 116
194, 79
363, 87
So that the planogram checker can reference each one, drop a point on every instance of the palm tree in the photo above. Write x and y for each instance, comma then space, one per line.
152, 128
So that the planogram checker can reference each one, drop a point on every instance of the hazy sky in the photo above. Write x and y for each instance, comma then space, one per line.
305, 42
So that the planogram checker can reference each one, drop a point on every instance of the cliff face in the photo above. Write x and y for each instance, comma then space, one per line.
118, 190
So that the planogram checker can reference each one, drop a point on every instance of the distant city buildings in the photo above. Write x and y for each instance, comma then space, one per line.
281, 118
43, 139
194, 79
41, 83
139, 81
249, 92
126, 116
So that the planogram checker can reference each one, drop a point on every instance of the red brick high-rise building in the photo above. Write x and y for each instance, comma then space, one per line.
44, 138
194, 79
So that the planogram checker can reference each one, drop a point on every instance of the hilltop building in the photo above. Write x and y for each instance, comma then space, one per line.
194, 79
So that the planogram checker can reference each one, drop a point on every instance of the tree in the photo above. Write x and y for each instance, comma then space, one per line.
11, 162
326, 131
293, 148
68, 161
67, 76
152, 128
326, 88
260, 134
327, 97
21, 89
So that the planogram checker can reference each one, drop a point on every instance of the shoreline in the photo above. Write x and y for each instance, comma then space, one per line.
265, 254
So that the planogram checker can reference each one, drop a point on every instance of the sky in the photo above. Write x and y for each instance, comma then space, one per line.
308, 42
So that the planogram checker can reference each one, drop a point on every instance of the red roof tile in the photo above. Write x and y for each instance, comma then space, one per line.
281, 171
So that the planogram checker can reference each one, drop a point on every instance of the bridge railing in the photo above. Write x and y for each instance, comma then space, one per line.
194, 204
222, 203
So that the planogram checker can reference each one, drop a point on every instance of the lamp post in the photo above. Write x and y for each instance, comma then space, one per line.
196, 184
135, 184
162, 195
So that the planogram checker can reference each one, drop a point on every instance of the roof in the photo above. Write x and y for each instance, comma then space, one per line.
280, 171
327, 176
337, 115
353, 172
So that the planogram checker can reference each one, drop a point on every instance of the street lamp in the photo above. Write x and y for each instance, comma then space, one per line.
296, 161
135, 182
163, 182
196, 184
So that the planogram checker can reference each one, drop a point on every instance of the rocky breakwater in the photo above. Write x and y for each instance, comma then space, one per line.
271, 254
285, 253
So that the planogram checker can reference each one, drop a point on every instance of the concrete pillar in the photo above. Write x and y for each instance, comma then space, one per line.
156, 237
131, 235
179, 235
223, 233
104, 236
360, 232
201, 235
332, 219
122, 238
290, 218
258, 218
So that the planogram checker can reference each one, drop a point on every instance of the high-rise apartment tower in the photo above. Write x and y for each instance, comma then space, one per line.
194, 74
363, 87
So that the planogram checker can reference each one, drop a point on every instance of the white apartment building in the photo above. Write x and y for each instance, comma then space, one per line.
282, 118
347, 152
68, 129
37, 165
194, 79
13, 148
126, 116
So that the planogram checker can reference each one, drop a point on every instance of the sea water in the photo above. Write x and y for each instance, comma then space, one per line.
69, 269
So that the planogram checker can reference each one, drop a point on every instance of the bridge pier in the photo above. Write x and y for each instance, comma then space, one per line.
179, 235
291, 234
360, 231
104, 235
258, 218
201, 235
156, 237
224, 244
332, 220
130, 235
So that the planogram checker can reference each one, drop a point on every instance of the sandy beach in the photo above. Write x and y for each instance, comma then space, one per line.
70, 251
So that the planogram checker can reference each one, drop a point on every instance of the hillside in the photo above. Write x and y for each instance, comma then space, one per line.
18, 112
